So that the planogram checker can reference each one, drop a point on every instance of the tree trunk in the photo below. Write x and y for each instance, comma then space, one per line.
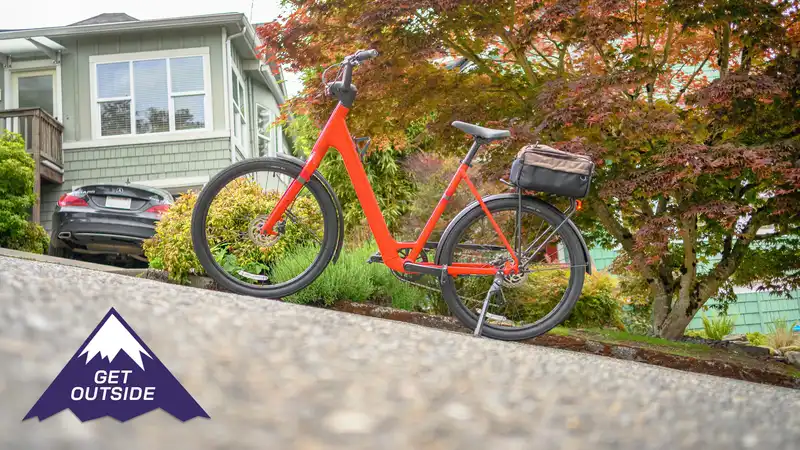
675, 325
725, 50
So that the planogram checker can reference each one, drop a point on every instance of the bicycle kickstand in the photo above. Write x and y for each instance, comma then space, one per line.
494, 289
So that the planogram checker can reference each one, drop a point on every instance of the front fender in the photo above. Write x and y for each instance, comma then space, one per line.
299, 163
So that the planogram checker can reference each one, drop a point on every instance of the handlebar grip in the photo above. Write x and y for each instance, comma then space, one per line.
364, 55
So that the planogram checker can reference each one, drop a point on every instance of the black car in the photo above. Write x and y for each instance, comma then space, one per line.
107, 221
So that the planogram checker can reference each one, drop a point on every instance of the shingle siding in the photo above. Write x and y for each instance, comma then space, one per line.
136, 163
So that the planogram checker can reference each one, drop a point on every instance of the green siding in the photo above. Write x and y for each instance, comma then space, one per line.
754, 311
76, 68
602, 258
136, 163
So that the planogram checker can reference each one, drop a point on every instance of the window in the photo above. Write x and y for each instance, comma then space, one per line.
149, 95
265, 139
239, 110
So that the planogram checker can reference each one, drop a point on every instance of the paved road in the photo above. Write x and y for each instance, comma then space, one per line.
280, 376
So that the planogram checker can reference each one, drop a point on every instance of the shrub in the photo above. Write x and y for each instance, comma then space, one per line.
696, 334
17, 197
596, 307
350, 279
718, 327
392, 185
431, 175
236, 205
781, 334
756, 338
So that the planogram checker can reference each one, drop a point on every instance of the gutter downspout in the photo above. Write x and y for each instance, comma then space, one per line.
229, 93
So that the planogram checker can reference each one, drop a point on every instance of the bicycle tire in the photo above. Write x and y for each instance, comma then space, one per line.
505, 202
203, 250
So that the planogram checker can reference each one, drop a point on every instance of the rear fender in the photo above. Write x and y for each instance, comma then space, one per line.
540, 203
299, 163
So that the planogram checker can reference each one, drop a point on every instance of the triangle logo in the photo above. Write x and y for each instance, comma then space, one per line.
115, 374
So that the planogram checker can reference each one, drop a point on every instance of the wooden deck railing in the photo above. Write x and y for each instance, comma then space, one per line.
43, 140
42, 133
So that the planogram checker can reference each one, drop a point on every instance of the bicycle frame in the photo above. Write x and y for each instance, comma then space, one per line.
336, 134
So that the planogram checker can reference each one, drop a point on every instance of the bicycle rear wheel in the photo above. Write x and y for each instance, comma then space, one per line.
532, 302
228, 216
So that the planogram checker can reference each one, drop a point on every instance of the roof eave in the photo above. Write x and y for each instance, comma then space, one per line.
121, 27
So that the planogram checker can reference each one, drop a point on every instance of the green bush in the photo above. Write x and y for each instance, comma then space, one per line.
392, 185
718, 327
17, 197
231, 211
597, 306
756, 338
696, 334
349, 279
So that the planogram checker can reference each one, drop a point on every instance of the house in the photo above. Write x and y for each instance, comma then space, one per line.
165, 103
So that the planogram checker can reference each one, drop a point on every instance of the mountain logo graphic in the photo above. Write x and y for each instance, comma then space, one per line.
115, 374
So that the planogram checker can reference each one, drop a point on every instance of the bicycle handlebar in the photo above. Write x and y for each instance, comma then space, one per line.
363, 55
355, 58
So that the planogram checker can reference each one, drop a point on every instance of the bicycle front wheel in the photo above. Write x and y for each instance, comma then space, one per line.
532, 302
227, 220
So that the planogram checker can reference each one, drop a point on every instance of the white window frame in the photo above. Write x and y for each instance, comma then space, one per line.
240, 111
270, 137
130, 58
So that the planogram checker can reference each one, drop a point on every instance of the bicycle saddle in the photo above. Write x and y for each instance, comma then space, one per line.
484, 133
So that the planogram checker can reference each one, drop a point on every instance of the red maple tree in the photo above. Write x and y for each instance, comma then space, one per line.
691, 110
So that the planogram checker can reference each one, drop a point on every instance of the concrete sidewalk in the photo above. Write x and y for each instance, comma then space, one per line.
69, 262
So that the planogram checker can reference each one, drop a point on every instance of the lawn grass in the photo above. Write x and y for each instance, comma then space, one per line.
559, 331
622, 337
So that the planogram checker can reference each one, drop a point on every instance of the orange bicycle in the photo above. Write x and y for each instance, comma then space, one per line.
509, 266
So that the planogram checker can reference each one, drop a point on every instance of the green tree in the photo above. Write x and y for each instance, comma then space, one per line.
690, 109
17, 197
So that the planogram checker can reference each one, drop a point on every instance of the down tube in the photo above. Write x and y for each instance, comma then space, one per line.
341, 140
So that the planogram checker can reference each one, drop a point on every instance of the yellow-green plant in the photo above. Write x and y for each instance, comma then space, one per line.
718, 327
756, 338
17, 197
231, 212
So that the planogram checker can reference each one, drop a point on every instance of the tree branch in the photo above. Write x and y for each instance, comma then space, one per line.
545, 59
520, 56
731, 257
689, 266
691, 79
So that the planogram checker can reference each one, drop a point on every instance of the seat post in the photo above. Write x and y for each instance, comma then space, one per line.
476, 144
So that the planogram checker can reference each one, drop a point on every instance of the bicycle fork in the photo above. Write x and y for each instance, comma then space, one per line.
493, 290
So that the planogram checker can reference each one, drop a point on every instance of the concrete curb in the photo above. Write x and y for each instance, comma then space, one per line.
68, 262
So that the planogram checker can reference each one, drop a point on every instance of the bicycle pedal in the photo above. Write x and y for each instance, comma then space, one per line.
376, 258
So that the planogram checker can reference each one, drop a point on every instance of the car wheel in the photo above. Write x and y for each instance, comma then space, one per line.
59, 252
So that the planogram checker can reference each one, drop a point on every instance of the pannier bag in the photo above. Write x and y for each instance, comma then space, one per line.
544, 169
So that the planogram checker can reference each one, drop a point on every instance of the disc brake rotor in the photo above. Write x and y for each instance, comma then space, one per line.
263, 239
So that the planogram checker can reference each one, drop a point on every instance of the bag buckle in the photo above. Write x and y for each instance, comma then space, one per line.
362, 144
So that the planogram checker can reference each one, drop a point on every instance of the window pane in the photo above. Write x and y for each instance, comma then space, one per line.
187, 74
263, 146
235, 87
36, 92
150, 93
190, 112
115, 118
113, 80
264, 121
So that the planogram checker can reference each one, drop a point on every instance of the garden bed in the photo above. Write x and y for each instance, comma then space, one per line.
690, 357
723, 361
